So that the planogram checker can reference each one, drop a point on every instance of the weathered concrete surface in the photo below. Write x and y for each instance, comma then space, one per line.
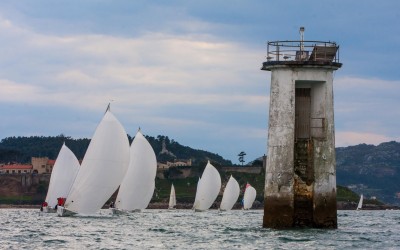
278, 209
325, 210
300, 192
278, 212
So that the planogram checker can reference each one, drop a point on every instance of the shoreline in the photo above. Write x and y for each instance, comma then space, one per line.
187, 206
5, 206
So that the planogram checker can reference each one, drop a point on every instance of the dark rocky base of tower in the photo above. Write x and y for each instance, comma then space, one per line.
280, 214
325, 211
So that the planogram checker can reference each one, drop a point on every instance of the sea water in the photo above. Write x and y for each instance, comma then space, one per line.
185, 229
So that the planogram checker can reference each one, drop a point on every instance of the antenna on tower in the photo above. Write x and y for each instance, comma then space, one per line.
301, 38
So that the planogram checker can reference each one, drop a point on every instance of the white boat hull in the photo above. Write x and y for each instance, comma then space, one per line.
63, 212
116, 211
48, 210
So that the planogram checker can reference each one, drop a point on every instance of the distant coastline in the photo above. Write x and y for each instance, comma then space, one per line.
164, 205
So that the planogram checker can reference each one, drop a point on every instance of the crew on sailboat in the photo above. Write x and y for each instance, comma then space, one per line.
60, 201
44, 204
112, 205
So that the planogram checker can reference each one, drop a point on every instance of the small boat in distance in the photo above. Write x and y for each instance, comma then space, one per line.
249, 197
138, 184
102, 170
360, 202
207, 189
231, 194
172, 198
62, 177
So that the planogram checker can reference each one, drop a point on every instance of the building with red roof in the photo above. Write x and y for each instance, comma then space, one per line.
42, 165
16, 169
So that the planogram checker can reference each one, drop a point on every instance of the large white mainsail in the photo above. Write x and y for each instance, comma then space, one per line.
360, 202
231, 194
249, 197
62, 176
137, 187
172, 198
208, 189
102, 170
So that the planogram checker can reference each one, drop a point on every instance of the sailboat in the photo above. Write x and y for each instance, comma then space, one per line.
249, 197
172, 198
208, 188
231, 194
62, 177
360, 203
137, 186
102, 170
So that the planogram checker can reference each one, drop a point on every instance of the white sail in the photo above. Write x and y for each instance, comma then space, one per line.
137, 187
208, 189
103, 167
249, 197
147, 196
231, 194
62, 176
197, 191
172, 198
360, 203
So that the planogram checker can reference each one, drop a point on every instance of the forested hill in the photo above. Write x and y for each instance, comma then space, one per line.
371, 170
21, 149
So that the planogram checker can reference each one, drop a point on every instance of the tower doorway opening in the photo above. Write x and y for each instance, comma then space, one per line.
303, 162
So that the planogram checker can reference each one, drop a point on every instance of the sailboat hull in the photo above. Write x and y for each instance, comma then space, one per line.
48, 210
116, 211
63, 212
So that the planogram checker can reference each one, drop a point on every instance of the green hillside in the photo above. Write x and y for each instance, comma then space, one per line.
371, 170
186, 188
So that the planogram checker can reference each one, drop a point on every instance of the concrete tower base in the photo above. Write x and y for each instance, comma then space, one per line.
300, 185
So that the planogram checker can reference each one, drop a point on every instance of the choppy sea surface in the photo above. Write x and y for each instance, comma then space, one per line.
185, 229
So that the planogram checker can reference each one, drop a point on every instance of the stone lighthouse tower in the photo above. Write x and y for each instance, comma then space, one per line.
300, 180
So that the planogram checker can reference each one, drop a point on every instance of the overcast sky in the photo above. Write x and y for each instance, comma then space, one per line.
189, 70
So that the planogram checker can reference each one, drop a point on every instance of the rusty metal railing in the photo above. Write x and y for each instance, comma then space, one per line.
312, 51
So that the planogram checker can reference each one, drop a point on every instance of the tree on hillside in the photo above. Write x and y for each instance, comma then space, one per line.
241, 157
